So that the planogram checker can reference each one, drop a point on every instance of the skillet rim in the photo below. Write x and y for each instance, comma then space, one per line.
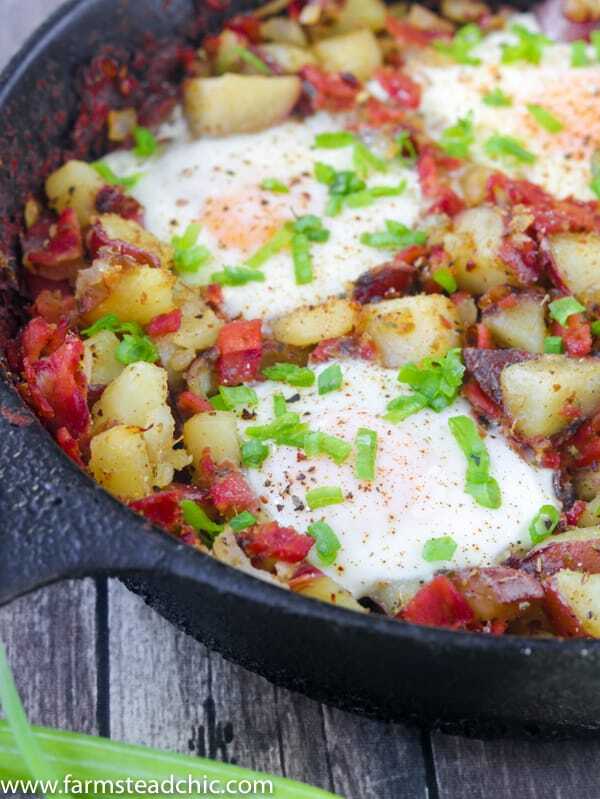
225, 577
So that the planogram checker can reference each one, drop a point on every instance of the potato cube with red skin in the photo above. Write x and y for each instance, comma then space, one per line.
438, 604
578, 550
497, 593
572, 602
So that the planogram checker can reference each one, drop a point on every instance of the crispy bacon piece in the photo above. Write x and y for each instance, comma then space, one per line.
240, 347
189, 404
480, 400
246, 25
164, 507
550, 214
227, 488
98, 239
486, 365
402, 89
54, 306
343, 347
69, 445
303, 575
575, 512
430, 167
270, 541
438, 604
113, 200
379, 114
585, 443
54, 249
164, 324
522, 256
328, 90
392, 279
54, 382
485, 339
407, 34
576, 335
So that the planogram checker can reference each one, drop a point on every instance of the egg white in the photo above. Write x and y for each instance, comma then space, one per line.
418, 492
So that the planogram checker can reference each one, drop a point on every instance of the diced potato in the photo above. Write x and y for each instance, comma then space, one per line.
425, 20
521, 325
591, 516
119, 462
227, 550
127, 230
200, 377
464, 10
313, 323
139, 294
357, 14
99, 358
412, 328
474, 245
139, 390
577, 549
535, 393
283, 30
573, 603
238, 103
216, 430
473, 182
327, 590
121, 124
291, 59
74, 185
587, 483
497, 592
199, 327
357, 52
576, 257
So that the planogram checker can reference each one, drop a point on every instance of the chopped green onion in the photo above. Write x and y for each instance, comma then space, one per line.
235, 397
107, 174
336, 448
401, 408
366, 197
545, 119
435, 383
478, 483
324, 173
237, 276
277, 427
330, 379
436, 549
303, 267
544, 523
595, 167
276, 243
196, 517
457, 139
335, 140
579, 54
323, 496
251, 59
528, 47
279, 405
107, 322
290, 373
444, 278
136, 348
254, 453
311, 227
396, 236
274, 185
459, 49
242, 521
497, 98
562, 309
596, 328
188, 256
366, 453
498, 146
405, 149
553, 345
327, 543
145, 142
365, 161
218, 403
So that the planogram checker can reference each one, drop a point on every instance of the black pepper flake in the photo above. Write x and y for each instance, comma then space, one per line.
298, 504
294, 398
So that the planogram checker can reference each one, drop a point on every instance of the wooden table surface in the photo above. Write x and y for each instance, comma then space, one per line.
91, 656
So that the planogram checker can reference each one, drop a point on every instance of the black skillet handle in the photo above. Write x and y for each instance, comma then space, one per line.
55, 523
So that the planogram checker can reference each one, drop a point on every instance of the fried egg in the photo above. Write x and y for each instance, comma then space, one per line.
418, 492
571, 95
217, 182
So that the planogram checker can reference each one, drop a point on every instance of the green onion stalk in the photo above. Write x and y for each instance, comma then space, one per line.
47, 756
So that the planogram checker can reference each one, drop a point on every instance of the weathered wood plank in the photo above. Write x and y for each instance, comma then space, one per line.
372, 760
50, 637
515, 769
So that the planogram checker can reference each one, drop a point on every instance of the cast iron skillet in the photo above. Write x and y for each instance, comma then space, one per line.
55, 523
